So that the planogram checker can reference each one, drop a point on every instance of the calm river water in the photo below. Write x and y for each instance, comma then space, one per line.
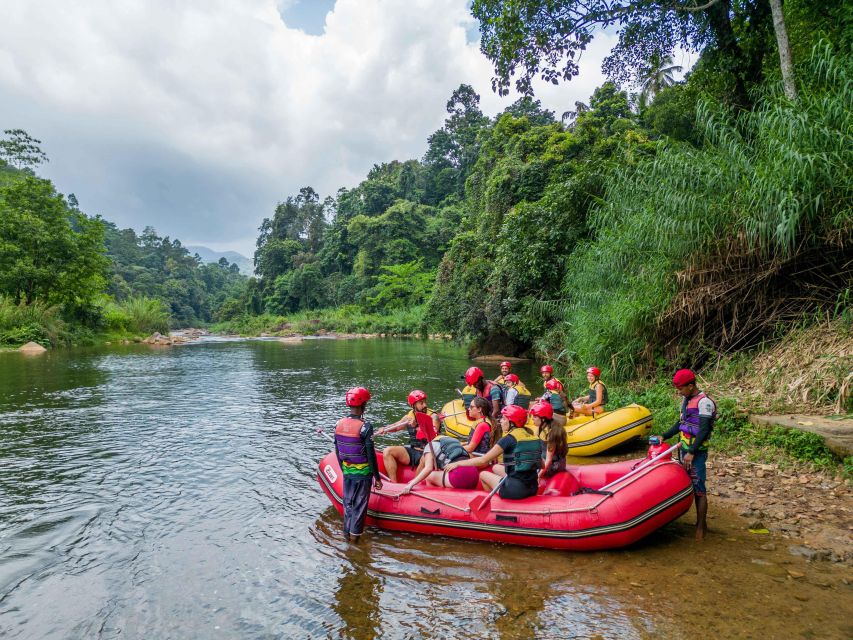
171, 493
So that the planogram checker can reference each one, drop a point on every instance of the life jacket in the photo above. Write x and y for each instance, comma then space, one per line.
689, 425
417, 437
525, 456
470, 392
555, 400
351, 447
593, 396
485, 442
522, 399
449, 450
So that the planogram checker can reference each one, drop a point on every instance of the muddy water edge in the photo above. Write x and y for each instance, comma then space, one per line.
171, 493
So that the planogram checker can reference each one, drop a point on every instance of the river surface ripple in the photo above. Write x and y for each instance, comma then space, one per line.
171, 493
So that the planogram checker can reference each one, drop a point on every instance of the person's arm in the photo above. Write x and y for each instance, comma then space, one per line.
481, 461
549, 458
427, 469
392, 428
481, 430
666, 435
372, 464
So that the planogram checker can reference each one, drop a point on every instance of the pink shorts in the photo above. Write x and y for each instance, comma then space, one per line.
463, 478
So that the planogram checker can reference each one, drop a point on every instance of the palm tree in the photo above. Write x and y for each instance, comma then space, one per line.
657, 76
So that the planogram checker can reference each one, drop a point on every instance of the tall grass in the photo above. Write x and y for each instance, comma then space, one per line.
137, 315
36, 322
771, 185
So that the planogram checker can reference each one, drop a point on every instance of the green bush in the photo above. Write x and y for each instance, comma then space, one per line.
36, 322
137, 315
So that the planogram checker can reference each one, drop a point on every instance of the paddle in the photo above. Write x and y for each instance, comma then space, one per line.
641, 466
480, 506
425, 423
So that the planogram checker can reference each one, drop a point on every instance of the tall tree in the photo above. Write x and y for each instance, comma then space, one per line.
657, 75
21, 150
545, 37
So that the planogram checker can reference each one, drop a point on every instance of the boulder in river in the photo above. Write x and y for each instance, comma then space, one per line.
32, 347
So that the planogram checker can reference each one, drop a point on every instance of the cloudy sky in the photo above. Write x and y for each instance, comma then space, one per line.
197, 116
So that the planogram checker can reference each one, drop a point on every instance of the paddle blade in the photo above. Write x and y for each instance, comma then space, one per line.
425, 423
480, 507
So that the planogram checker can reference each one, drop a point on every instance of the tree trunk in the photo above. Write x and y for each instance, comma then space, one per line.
727, 44
784, 50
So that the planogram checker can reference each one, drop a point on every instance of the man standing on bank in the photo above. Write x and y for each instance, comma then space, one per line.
698, 413
357, 457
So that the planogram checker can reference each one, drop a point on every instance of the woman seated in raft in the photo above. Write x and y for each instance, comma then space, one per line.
552, 438
556, 397
485, 431
592, 404
437, 455
520, 449
410, 454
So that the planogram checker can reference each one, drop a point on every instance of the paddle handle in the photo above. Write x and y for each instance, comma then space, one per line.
641, 467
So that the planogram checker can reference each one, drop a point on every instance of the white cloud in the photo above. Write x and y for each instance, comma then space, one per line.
198, 116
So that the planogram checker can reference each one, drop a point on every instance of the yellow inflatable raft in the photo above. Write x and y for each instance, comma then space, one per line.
587, 436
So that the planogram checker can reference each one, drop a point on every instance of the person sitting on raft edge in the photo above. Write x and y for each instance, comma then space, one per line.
437, 455
698, 414
555, 393
357, 458
593, 403
411, 453
521, 452
484, 433
554, 445
474, 378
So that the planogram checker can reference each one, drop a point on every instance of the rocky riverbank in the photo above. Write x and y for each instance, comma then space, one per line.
809, 512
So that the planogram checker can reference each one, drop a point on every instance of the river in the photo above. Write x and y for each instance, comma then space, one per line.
171, 493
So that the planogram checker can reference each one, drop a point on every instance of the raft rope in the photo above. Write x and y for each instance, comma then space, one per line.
396, 496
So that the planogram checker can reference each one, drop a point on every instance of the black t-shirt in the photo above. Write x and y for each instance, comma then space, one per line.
531, 477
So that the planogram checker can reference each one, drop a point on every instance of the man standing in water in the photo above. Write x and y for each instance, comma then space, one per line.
357, 457
698, 413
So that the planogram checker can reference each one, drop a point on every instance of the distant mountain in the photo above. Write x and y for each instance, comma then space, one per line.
209, 255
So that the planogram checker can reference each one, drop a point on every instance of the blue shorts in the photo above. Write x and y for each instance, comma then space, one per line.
697, 472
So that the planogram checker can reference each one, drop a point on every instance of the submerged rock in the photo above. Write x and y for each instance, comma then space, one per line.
32, 347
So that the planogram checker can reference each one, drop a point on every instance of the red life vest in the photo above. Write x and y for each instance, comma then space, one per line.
348, 438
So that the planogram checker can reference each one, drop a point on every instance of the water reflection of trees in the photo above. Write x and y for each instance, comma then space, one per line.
357, 597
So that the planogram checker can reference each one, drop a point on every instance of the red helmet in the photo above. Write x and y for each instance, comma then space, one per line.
553, 384
683, 377
546, 368
542, 410
416, 396
515, 414
507, 364
357, 397
511, 377
473, 374
594, 371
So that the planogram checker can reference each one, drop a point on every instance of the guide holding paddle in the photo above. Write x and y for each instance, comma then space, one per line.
357, 459
422, 424
698, 413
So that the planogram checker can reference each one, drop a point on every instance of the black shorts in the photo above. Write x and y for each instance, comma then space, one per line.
415, 455
515, 489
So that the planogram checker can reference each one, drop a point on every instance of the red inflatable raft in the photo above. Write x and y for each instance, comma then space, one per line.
640, 497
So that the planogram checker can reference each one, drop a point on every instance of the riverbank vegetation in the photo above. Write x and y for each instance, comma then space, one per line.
661, 223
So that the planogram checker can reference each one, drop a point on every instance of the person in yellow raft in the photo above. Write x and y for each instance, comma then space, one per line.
410, 454
521, 452
593, 403
506, 367
554, 393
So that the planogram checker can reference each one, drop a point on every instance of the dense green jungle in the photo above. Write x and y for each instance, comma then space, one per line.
660, 223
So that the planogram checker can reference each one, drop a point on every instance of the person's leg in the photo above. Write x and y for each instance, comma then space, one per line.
490, 480
699, 471
499, 470
348, 499
361, 497
434, 479
392, 457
